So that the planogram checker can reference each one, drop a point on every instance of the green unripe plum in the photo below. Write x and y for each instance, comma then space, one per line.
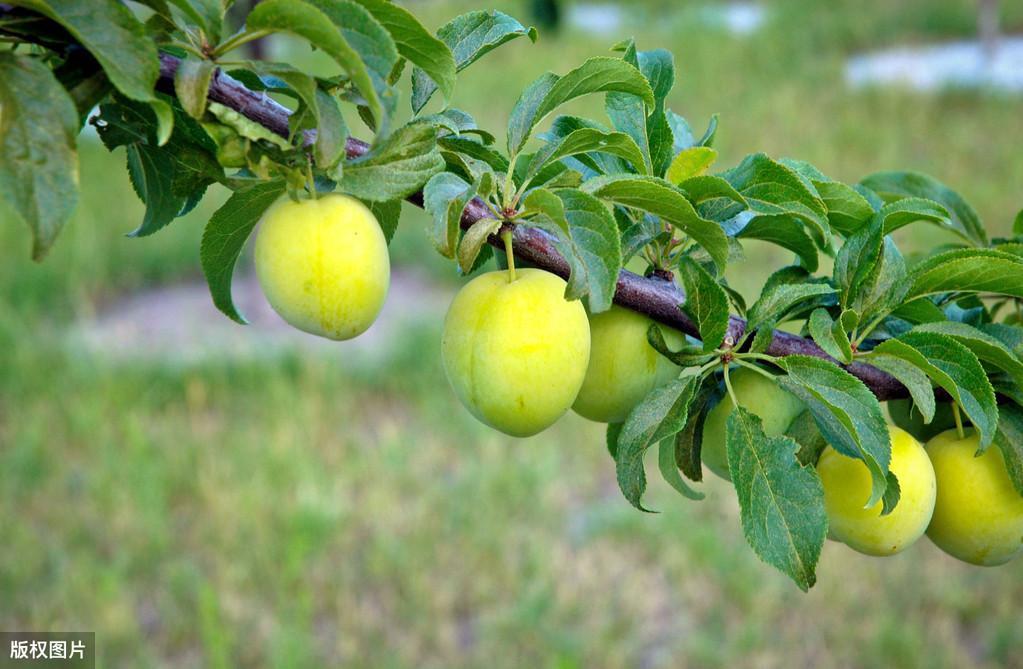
515, 352
847, 487
978, 517
623, 367
323, 264
908, 417
776, 407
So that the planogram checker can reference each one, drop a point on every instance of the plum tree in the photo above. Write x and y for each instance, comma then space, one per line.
905, 415
323, 264
623, 366
847, 487
978, 516
515, 351
777, 408
577, 198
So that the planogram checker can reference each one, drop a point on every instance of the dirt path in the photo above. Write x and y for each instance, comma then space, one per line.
179, 324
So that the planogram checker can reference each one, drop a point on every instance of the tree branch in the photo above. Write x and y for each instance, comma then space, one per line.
654, 296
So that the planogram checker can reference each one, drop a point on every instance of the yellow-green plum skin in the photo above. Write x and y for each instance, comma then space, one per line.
776, 407
515, 352
623, 367
847, 487
909, 418
978, 517
323, 264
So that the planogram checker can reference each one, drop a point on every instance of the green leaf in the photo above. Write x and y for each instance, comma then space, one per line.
585, 140
846, 412
549, 91
329, 25
114, 37
701, 189
706, 303
629, 113
689, 441
968, 271
660, 415
661, 199
225, 235
782, 230
396, 168
191, 84
473, 240
777, 300
598, 248
469, 36
387, 214
38, 163
897, 185
848, 210
444, 197
691, 162
955, 368
1009, 440
830, 335
781, 502
430, 55
1017, 224
772, 188
909, 375
152, 171
984, 346
670, 472
908, 210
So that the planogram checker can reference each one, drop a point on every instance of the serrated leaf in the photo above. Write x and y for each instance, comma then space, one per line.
772, 188
899, 214
846, 412
968, 271
779, 229
224, 238
469, 36
707, 188
549, 91
660, 415
777, 300
585, 140
706, 303
191, 84
689, 440
691, 162
649, 128
1009, 440
444, 198
910, 375
670, 472
597, 246
114, 37
781, 502
429, 54
892, 494
897, 185
829, 335
151, 171
848, 210
387, 215
955, 368
473, 240
396, 168
38, 162
984, 346
663, 200
330, 25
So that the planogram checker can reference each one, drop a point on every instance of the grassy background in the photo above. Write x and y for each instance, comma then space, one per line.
312, 509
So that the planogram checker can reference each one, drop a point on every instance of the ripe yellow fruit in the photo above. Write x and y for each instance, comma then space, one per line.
847, 487
978, 517
908, 417
323, 264
776, 407
515, 352
623, 367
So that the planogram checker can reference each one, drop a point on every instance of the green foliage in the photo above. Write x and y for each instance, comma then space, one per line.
781, 501
636, 184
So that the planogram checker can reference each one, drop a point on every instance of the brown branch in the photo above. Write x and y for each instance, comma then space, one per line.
654, 296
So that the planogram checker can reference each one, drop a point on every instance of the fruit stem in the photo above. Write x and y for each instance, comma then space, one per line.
507, 237
959, 420
728, 385
312, 179
758, 370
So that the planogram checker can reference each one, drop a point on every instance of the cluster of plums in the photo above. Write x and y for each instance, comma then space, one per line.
519, 355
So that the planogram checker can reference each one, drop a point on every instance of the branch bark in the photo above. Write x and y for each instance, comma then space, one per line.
654, 296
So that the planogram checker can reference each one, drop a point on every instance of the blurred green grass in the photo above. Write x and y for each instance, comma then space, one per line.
302, 511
